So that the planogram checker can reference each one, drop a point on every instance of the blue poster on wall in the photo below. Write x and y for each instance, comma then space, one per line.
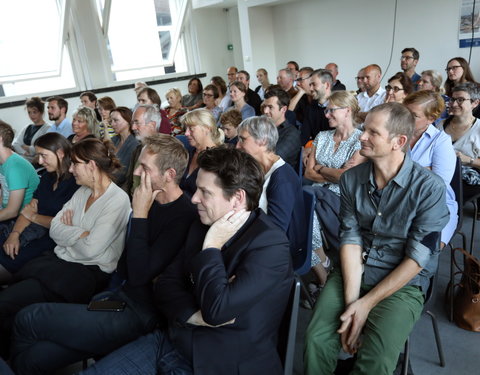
469, 27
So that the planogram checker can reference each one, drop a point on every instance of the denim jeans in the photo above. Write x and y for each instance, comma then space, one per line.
149, 355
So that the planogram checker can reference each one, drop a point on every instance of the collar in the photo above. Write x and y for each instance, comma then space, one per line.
401, 179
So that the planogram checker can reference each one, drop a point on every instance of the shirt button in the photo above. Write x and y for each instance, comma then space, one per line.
379, 214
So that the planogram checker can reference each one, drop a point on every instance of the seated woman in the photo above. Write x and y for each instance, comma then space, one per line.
433, 149
224, 101
229, 122
89, 232
464, 130
84, 125
262, 78
201, 132
210, 96
125, 142
432, 80
28, 237
105, 105
282, 196
23, 142
399, 86
333, 152
175, 110
238, 91
458, 71
193, 99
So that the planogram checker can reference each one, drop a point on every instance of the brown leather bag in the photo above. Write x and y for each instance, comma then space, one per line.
466, 306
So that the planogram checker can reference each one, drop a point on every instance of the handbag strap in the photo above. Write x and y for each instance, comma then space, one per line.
472, 277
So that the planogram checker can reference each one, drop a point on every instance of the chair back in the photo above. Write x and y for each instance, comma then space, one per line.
457, 187
300, 165
288, 329
303, 256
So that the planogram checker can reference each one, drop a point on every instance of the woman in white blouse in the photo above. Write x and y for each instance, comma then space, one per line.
89, 232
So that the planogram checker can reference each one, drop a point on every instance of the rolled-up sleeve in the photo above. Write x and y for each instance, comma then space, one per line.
349, 227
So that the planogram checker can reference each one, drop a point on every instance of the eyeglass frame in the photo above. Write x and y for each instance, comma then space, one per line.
332, 110
407, 58
395, 89
300, 79
460, 100
455, 67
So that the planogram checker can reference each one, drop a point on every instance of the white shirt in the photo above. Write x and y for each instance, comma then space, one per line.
366, 102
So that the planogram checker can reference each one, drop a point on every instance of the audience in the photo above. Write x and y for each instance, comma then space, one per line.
285, 80
408, 62
373, 94
193, 99
28, 237
238, 91
289, 144
89, 232
432, 148
464, 130
251, 97
281, 197
149, 96
337, 85
125, 142
23, 142
360, 78
223, 101
229, 122
389, 247
89, 99
333, 152
293, 67
432, 80
202, 133
57, 111
458, 71
399, 86
210, 96
231, 75
105, 105
262, 78
162, 215
224, 308
84, 125
303, 98
18, 179
175, 110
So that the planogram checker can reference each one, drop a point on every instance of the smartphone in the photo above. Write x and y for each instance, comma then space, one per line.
106, 305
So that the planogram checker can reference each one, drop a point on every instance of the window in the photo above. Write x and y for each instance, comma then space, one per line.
34, 57
144, 38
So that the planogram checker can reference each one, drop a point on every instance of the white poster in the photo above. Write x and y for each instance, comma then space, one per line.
465, 36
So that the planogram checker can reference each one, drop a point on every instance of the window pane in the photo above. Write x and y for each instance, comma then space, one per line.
165, 43
162, 9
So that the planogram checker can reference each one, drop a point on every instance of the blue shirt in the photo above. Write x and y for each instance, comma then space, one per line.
434, 150
404, 221
64, 128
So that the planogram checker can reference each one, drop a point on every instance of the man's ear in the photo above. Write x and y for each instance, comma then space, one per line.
170, 174
401, 141
239, 200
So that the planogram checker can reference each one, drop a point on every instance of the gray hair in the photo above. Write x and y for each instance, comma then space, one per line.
151, 114
262, 129
435, 77
324, 75
469, 87
288, 72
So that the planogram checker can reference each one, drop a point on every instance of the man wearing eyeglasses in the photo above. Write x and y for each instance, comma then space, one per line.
303, 98
408, 62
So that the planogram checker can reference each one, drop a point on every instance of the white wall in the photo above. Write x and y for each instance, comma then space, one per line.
354, 33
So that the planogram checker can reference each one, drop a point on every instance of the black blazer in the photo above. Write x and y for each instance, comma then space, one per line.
259, 258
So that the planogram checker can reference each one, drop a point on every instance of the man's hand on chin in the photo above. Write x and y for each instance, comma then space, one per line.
224, 228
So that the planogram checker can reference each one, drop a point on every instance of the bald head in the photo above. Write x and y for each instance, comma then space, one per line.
372, 76
332, 68
232, 74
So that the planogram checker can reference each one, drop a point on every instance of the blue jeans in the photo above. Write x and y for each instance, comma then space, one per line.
49, 336
149, 355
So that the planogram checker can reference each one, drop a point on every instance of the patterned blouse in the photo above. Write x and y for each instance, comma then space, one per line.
174, 118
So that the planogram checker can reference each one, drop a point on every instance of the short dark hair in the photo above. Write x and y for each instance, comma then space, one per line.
404, 80
152, 94
235, 170
414, 52
324, 75
246, 74
7, 134
54, 142
294, 63
307, 69
283, 99
214, 89
37, 103
220, 83
91, 96
62, 103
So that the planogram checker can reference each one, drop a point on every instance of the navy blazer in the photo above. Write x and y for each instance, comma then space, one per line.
259, 258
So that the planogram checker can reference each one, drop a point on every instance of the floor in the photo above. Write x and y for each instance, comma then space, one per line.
461, 347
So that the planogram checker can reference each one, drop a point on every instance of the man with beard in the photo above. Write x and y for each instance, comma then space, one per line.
373, 94
57, 111
408, 63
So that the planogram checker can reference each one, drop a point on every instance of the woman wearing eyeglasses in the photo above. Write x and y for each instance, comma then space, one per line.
464, 129
210, 95
458, 71
333, 152
399, 86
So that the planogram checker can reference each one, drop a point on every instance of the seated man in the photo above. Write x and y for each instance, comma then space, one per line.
148, 96
226, 293
392, 213
49, 336
18, 179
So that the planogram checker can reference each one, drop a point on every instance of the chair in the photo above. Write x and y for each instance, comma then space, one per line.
288, 329
406, 355
300, 165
